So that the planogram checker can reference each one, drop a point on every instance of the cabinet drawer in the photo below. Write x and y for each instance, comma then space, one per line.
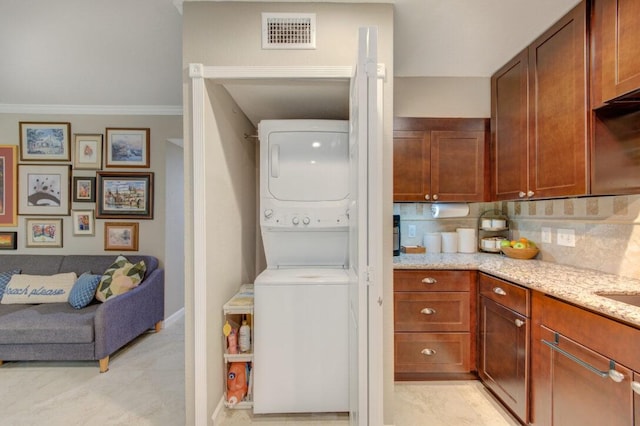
438, 311
432, 352
430, 280
510, 295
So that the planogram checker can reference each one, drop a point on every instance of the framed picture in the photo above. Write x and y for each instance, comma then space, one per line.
84, 189
121, 236
43, 190
127, 195
88, 151
8, 181
8, 240
83, 222
44, 141
127, 148
43, 232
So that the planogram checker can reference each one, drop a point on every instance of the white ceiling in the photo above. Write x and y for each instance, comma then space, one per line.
123, 52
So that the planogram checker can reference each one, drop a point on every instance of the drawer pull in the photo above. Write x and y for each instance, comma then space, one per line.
428, 352
429, 280
635, 386
519, 322
614, 375
428, 311
500, 291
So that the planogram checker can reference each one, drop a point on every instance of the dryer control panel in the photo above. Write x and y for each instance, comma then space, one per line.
298, 218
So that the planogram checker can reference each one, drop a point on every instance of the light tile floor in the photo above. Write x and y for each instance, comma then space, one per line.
145, 387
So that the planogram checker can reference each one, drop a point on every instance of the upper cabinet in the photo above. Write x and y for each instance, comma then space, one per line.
615, 38
615, 97
440, 159
539, 116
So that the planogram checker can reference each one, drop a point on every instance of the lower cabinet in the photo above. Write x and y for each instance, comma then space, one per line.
434, 322
583, 367
504, 333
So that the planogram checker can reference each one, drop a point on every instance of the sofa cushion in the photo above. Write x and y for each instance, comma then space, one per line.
5, 277
119, 278
46, 323
84, 290
24, 288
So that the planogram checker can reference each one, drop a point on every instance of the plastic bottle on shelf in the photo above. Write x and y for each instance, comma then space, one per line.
245, 337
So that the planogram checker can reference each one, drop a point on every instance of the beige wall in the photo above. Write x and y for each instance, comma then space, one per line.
442, 97
220, 33
152, 236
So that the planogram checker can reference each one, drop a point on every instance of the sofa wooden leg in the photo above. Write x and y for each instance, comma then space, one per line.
104, 364
1, 362
159, 326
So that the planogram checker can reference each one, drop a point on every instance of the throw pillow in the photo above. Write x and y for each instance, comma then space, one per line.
23, 288
5, 277
84, 290
119, 278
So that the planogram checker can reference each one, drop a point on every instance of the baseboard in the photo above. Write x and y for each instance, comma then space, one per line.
216, 413
179, 314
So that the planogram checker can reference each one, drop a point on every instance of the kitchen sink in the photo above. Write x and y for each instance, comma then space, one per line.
629, 298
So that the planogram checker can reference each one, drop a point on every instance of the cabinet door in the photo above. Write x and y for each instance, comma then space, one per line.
411, 164
616, 47
504, 337
509, 129
576, 395
417, 353
558, 108
458, 166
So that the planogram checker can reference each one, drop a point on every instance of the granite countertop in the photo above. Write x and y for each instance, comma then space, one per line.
574, 285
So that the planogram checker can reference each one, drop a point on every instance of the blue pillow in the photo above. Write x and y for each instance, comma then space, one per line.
84, 290
5, 277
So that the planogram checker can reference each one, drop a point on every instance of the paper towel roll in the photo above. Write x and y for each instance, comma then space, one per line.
433, 242
450, 210
467, 241
449, 242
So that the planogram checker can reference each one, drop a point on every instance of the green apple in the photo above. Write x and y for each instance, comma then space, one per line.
505, 243
519, 245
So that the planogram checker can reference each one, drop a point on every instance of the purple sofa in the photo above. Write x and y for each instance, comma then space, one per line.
57, 331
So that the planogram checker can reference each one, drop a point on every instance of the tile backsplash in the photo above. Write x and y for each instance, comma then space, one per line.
607, 229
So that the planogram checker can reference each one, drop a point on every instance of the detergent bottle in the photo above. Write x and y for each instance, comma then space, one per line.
245, 337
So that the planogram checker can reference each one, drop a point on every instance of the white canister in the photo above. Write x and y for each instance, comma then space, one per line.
467, 240
449, 242
433, 242
486, 224
488, 243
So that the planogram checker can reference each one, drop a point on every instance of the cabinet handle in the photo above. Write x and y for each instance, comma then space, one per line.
519, 322
521, 194
429, 280
426, 196
428, 352
614, 375
500, 291
635, 386
435, 196
530, 193
428, 311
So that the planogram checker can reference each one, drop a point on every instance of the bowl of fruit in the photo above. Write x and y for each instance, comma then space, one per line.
519, 249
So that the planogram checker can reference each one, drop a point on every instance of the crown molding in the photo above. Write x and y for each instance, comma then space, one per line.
91, 109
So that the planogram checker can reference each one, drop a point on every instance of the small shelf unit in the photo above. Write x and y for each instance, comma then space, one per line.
238, 307
490, 226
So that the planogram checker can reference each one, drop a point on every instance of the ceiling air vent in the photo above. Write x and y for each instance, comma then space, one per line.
288, 30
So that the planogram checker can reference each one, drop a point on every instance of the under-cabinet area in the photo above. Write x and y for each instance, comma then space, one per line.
547, 361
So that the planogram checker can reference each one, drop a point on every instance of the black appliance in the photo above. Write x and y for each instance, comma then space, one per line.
396, 235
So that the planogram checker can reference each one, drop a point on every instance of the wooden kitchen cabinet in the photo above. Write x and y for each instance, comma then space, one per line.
504, 333
440, 159
539, 116
615, 40
434, 324
584, 366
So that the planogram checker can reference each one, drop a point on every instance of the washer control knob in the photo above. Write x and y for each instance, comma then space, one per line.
306, 220
295, 220
268, 213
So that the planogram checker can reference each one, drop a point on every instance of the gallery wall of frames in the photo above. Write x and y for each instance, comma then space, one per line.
53, 173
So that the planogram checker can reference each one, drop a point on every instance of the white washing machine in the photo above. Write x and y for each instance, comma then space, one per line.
301, 299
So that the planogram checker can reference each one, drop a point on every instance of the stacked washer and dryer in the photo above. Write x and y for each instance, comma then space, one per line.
301, 299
